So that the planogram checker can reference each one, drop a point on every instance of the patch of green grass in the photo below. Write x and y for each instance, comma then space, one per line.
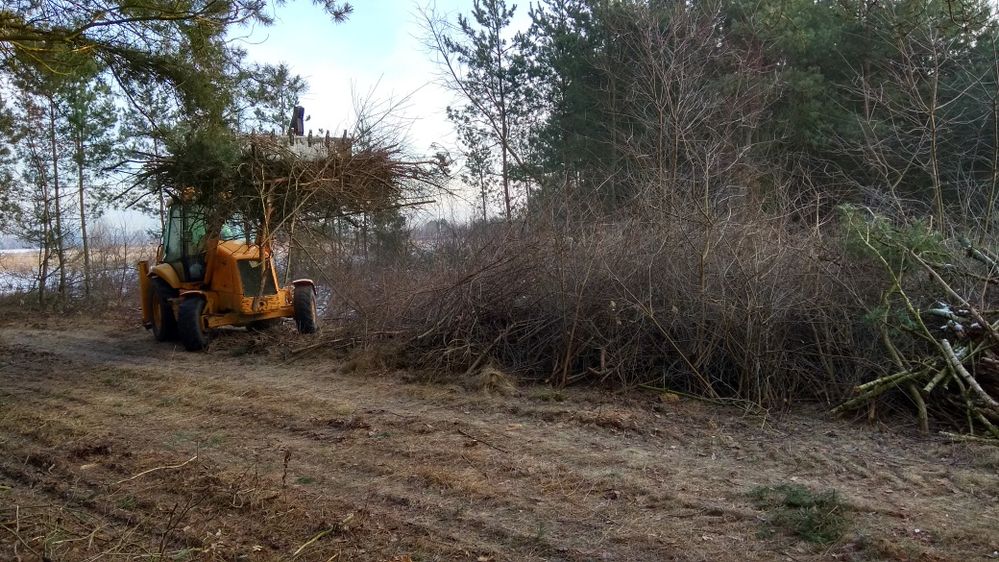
549, 395
816, 517
168, 401
539, 536
184, 554
180, 438
116, 377
187, 438
305, 480
113, 380
127, 502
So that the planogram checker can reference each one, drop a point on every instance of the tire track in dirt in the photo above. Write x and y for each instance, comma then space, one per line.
502, 533
602, 478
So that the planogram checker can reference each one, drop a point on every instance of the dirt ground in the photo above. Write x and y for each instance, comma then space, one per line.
115, 447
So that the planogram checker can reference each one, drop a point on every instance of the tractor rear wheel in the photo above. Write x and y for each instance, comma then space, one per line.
306, 318
164, 322
192, 332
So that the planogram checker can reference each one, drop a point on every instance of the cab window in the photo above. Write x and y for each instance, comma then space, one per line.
185, 233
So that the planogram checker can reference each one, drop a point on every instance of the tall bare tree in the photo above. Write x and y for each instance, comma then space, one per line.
482, 61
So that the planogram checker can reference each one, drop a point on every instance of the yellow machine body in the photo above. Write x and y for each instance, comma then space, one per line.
236, 279
227, 301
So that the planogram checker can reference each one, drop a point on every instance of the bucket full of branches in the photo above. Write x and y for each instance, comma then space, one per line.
276, 181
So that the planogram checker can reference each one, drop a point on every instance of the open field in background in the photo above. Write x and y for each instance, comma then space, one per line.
18, 270
113, 268
119, 447
20, 262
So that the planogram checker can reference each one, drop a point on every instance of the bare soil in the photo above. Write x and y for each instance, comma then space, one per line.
115, 447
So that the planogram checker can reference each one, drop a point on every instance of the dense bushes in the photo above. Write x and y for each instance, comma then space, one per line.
760, 309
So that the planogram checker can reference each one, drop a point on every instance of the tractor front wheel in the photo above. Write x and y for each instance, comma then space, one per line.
306, 318
164, 323
192, 331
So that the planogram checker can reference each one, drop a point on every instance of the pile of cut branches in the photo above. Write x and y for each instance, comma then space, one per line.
752, 319
946, 352
271, 181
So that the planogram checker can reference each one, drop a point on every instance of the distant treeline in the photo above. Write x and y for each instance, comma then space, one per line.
887, 103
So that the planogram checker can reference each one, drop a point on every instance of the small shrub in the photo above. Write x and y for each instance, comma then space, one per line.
816, 517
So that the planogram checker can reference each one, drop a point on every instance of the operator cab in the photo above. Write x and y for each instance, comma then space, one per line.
184, 241
185, 236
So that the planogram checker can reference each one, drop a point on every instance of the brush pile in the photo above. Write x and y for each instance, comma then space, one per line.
753, 319
758, 313
958, 379
272, 181
945, 353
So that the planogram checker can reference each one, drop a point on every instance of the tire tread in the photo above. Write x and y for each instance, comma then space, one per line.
305, 310
192, 334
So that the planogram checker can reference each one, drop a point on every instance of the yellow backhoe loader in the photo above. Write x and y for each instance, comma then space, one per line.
204, 280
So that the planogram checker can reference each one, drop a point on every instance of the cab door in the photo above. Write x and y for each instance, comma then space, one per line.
184, 241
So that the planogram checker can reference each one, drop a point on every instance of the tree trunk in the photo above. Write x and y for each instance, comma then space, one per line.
83, 214
995, 153
60, 249
504, 124
156, 152
364, 236
45, 252
291, 250
482, 191
938, 202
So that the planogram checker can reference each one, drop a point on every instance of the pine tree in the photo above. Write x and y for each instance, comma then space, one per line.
485, 65
9, 188
34, 175
566, 53
479, 170
269, 94
176, 44
43, 166
90, 119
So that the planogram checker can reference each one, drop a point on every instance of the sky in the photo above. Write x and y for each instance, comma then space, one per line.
377, 49
377, 53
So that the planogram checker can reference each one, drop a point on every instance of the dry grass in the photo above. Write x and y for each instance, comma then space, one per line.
295, 455
19, 263
493, 381
112, 264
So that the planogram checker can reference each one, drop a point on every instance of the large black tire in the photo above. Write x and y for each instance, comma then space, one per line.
306, 317
192, 333
164, 322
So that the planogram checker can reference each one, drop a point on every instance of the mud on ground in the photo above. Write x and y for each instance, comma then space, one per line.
117, 448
